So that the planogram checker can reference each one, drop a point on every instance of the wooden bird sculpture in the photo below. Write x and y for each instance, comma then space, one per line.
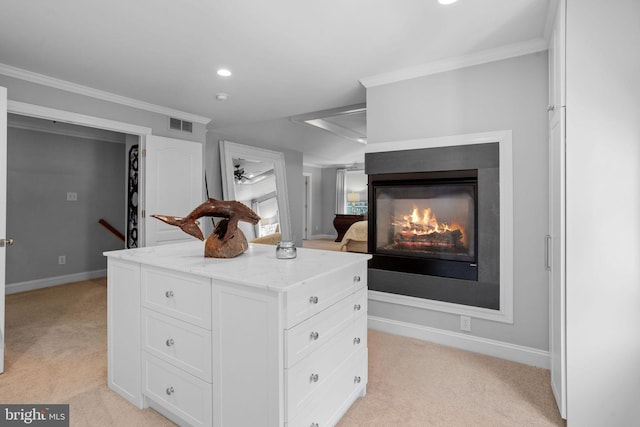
226, 240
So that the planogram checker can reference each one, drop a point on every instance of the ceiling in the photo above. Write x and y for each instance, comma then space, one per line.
288, 57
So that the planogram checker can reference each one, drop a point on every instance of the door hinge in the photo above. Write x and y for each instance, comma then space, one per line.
144, 152
143, 214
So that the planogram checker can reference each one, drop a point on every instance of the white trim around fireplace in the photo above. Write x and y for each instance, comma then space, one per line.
503, 138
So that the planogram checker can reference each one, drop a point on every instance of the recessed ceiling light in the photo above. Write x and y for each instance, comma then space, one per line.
446, 2
223, 72
222, 96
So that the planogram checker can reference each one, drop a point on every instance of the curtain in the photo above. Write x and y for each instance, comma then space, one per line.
341, 191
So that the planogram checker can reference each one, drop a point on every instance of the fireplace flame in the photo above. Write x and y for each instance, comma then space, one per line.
414, 224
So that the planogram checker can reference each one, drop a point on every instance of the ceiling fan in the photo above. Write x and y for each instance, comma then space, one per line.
238, 174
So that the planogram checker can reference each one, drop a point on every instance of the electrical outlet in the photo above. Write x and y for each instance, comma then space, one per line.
62, 259
72, 197
465, 323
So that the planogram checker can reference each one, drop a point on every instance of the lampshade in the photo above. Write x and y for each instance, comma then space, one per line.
353, 197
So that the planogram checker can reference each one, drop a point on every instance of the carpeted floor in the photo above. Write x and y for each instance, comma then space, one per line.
56, 352
326, 244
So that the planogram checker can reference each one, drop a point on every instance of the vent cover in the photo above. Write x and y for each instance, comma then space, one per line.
180, 125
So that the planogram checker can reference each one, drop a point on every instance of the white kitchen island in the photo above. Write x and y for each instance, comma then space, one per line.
247, 341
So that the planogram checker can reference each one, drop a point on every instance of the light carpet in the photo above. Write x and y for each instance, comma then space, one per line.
56, 352
324, 244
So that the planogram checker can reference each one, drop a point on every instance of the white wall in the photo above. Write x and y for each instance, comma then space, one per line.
603, 183
503, 95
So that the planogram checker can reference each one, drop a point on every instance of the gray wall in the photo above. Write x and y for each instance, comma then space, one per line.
42, 168
509, 94
603, 181
293, 164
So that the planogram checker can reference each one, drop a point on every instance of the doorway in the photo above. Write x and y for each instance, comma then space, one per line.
62, 179
306, 217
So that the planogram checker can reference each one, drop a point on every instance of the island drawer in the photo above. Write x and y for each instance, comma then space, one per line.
180, 295
183, 394
311, 334
335, 396
320, 292
179, 343
306, 378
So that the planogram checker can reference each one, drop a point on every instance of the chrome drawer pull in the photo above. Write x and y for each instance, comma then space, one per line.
314, 336
356, 279
313, 300
168, 294
170, 342
356, 307
169, 391
356, 380
356, 340
315, 425
314, 378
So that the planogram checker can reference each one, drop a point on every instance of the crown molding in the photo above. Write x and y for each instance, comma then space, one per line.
41, 79
454, 63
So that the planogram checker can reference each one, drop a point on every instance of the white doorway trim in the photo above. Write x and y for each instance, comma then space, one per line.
41, 112
307, 232
47, 113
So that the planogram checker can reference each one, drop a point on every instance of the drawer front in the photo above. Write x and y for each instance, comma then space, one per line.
316, 294
308, 376
178, 392
311, 334
182, 296
179, 343
336, 394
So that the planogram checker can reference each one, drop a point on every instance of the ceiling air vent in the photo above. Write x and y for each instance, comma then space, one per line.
180, 125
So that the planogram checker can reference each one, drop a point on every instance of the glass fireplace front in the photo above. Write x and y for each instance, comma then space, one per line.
424, 223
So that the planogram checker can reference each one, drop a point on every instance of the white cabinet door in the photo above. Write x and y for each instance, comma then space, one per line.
557, 284
172, 186
556, 242
3, 212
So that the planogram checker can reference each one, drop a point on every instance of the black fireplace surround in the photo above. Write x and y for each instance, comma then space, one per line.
467, 274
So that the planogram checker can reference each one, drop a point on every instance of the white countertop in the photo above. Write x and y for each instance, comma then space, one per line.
258, 267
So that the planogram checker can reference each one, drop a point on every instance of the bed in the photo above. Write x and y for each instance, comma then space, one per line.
355, 239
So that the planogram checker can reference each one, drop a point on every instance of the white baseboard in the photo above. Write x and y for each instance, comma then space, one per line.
53, 281
503, 350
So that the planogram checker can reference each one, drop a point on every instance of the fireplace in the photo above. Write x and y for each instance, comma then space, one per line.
424, 223
435, 225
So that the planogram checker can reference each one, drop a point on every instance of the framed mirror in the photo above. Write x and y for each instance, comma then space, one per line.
257, 177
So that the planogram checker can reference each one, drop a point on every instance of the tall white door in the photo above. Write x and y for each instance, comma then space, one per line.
557, 185
172, 186
557, 284
3, 213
